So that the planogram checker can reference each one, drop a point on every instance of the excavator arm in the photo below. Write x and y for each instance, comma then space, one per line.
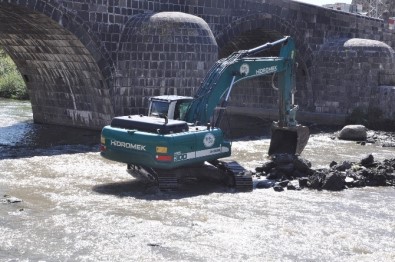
240, 66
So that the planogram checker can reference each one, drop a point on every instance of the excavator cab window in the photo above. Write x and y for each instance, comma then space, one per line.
181, 109
159, 108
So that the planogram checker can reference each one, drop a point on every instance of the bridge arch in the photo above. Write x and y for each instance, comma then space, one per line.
66, 73
255, 30
161, 53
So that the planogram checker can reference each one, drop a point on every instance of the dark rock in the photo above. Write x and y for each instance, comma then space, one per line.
283, 183
381, 179
303, 181
265, 184
278, 188
359, 183
286, 169
343, 166
274, 175
353, 132
390, 177
367, 161
334, 182
366, 173
389, 162
316, 180
298, 174
266, 167
301, 164
332, 164
12, 200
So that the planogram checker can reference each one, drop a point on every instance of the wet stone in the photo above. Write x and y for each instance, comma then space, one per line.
353, 132
303, 181
10, 199
334, 182
265, 183
343, 166
294, 173
283, 183
317, 180
278, 188
367, 161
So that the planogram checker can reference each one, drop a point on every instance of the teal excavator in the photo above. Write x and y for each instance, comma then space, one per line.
181, 134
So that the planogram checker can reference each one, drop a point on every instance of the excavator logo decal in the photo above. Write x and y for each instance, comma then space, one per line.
266, 70
244, 69
128, 145
209, 140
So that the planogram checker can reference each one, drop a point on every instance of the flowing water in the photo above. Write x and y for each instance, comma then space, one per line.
77, 206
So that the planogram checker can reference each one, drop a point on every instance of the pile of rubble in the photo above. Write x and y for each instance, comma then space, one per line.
294, 173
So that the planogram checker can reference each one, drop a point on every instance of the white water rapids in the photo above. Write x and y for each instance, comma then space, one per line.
77, 206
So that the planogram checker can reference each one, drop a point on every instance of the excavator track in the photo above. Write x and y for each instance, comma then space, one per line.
167, 180
240, 177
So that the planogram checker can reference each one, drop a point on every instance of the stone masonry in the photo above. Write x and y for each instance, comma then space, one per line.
86, 61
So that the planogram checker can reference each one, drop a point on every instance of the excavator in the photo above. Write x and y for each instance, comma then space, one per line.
181, 134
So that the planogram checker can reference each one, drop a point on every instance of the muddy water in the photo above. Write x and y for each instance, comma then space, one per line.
79, 207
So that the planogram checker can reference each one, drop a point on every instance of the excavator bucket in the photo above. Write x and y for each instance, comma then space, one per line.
288, 140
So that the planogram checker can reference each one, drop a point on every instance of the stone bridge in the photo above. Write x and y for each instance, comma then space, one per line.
86, 61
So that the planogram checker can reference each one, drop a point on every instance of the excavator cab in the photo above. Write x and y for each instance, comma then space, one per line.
171, 107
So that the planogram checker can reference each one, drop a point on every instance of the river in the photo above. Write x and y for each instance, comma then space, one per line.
77, 206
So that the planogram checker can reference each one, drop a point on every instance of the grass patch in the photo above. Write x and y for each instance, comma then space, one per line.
11, 81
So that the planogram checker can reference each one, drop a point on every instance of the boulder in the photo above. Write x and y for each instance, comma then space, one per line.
343, 166
301, 164
367, 161
317, 179
353, 133
334, 182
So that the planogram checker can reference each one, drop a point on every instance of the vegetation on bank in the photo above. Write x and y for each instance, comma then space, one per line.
11, 81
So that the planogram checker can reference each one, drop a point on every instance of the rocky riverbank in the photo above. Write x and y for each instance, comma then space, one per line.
291, 172
295, 173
